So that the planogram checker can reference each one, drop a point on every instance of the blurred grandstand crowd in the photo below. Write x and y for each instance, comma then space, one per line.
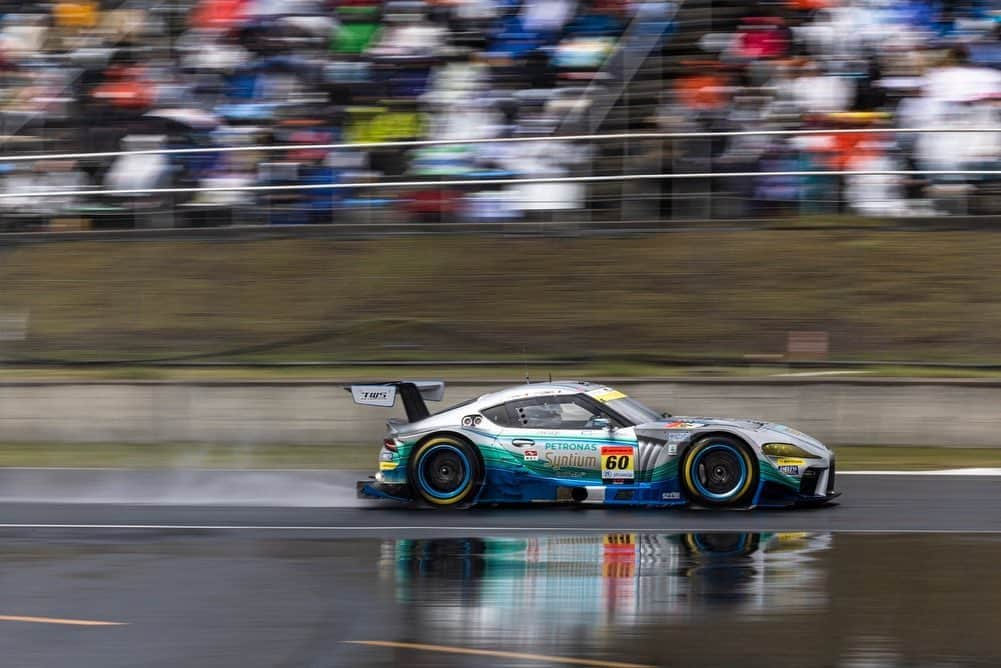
118, 75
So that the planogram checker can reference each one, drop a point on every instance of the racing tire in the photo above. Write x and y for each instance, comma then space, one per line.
719, 471
445, 472
726, 544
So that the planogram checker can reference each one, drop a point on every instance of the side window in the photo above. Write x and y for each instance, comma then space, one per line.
563, 412
499, 415
576, 416
539, 413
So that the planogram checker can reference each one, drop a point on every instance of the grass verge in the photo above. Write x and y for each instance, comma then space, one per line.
877, 294
363, 457
900, 458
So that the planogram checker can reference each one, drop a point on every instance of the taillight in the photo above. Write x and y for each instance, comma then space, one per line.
389, 444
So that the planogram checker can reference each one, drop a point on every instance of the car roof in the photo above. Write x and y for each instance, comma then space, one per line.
538, 390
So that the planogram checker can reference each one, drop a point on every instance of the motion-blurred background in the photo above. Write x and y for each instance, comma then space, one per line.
389, 144
214, 214
83, 77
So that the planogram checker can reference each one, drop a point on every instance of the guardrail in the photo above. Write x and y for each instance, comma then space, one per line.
501, 182
416, 143
971, 188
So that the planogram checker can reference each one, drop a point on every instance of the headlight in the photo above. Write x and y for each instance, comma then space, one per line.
787, 450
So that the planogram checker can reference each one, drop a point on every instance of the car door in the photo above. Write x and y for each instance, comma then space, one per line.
569, 436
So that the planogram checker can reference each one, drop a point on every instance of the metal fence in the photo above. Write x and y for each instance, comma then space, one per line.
614, 180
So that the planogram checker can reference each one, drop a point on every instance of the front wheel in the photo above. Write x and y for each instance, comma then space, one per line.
719, 471
445, 471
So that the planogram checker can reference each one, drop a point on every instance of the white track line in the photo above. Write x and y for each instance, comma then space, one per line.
488, 140
807, 374
517, 656
58, 620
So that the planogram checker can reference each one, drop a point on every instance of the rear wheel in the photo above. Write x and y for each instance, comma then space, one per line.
720, 471
445, 471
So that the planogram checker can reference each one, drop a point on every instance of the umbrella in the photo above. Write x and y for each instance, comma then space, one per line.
222, 14
312, 25
193, 118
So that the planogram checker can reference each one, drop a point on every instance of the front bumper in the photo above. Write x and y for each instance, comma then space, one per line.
817, 500
373, 489
815, 487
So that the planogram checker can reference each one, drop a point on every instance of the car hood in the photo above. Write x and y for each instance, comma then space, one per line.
692, 423
679, 428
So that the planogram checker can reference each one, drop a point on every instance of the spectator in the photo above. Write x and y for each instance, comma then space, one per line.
79, 75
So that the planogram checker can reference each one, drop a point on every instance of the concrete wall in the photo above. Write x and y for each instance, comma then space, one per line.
903, 412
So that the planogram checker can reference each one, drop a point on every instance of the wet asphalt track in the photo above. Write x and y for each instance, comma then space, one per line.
248, 569
323, 503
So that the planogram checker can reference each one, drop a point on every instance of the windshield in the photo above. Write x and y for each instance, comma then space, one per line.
634, 411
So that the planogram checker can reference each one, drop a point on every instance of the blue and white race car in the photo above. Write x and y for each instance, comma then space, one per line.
579, 442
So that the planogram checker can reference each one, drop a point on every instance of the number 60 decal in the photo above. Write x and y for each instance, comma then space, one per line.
617, 463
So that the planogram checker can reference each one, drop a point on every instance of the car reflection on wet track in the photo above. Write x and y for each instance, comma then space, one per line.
253, 598
621, 577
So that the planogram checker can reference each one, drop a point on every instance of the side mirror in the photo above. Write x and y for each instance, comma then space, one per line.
601, 423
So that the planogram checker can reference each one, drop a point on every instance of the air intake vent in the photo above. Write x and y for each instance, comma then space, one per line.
808, 484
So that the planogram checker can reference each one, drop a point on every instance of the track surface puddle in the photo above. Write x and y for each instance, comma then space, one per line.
648, 599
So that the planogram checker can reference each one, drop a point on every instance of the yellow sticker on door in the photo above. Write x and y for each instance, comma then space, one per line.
606, 395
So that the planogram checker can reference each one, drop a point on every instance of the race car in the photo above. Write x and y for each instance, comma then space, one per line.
581, 442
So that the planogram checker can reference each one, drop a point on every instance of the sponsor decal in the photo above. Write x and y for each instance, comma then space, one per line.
677, 436
617, 463
531, 455
672, 448
606, 394
683, 425
570, 445
790, 465
559, 460
388, 466
670, 496
790, 461
374, 395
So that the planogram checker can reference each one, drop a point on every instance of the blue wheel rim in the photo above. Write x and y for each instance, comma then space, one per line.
696, 479
426, 486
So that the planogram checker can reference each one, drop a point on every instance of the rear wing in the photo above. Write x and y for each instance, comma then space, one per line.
413, 392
